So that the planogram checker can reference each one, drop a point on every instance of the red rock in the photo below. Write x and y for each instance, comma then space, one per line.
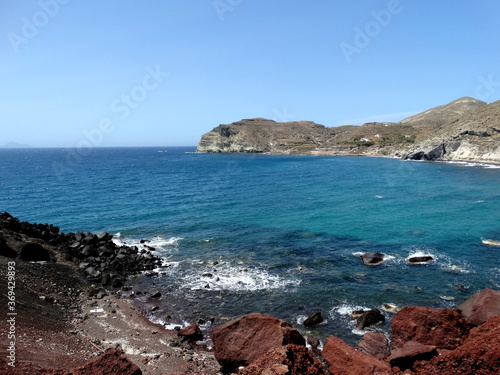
110, 363
479, 355
443, 328
375, 344
192, 333
409, 353
242, 341
343, 359
482, 305
287, 360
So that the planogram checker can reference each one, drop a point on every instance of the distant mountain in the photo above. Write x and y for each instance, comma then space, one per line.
465, 129
15, 145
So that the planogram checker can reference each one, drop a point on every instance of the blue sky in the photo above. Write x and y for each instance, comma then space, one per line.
162, 73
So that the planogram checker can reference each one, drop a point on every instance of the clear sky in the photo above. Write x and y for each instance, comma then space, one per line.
163, 72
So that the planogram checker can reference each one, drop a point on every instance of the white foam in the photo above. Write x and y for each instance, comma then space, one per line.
156, 242
237, 279
474, 164
346, 309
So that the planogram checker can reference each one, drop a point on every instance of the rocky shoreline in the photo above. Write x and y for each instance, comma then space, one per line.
75, 314
465, 130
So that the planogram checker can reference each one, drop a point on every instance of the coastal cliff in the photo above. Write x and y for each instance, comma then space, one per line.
463, 130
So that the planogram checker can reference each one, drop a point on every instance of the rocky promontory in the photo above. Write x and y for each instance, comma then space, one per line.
463, 130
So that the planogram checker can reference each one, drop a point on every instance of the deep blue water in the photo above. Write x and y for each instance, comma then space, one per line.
279, 234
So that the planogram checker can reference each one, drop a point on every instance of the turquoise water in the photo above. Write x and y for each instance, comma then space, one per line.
274, 234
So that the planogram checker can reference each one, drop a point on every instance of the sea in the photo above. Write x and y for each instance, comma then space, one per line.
279, 235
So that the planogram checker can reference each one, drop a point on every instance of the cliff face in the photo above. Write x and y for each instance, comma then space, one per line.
465, 129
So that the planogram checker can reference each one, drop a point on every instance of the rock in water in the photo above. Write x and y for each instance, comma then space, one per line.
243, 340
372, 259
424, 259
443, 328
482, 305
369, 318
314, 319
344, 359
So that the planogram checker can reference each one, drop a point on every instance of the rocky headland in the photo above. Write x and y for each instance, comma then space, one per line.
75, 314
463, 130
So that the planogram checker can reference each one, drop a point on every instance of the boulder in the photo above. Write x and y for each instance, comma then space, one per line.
424, 259
375, 344
443, 328
287, 360
243, 340
110, 363
191, 333
372, 259
479, 354
343, 359
369, 318
33, 252
482, 305
314, 319
5, 250
405, 357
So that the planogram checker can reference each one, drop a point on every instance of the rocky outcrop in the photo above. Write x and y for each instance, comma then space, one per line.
343, 359
443, 328
479, 354
405, 357
375, 344
242, 341
481, 306
99, 258
287, 360
465, 129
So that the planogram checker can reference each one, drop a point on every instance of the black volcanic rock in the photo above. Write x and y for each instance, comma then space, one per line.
33, 252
